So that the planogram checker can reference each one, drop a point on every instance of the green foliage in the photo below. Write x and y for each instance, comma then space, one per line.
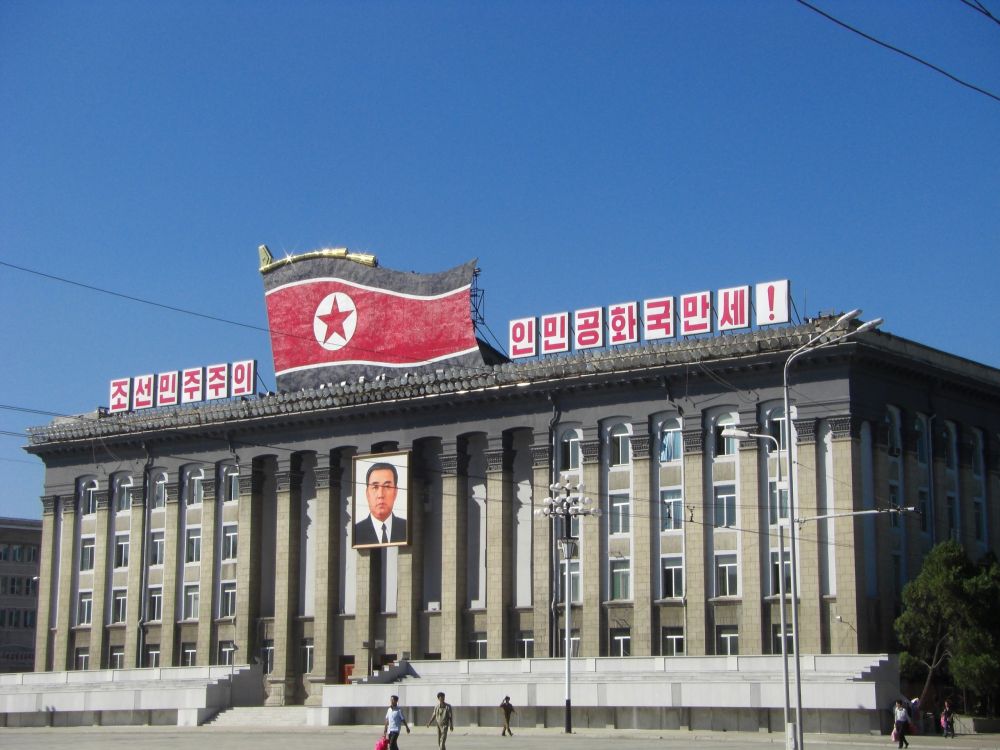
951, 619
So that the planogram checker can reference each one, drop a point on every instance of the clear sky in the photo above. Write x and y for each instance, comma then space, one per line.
587, 153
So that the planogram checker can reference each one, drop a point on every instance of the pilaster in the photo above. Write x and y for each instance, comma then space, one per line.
806, 477
541, 550
410, 576
248, 563
328, 498
136, 563
207, 593
288, 490
172, 587
754, 545
69, 561
645, 497
591, 562
698, 579
499, 549
102, 551
454, 546
48, 572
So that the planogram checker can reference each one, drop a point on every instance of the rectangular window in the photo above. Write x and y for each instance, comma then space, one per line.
777, 502
267, 656
726, 576
119, 605
724, 446
620, 453
727, 640
152, 658
776, 581
725, 506
156, 548
574, 581
923, 507
159, 496
306, 651
776, 639
618, 516
569, 454
229, 542
776, 429
920, 428
670, 445
121, 550
231, 484
894, 503
191, 601
620, 580
671, 510
227, 653
227, 599
672, 641
154, 604
192, 546
88, 506
195, 490
477, 646
116, 657
189, 654
574, 643
123, 498
672, 577
525, 644
87, 554
619, 642
81, 658
84, 608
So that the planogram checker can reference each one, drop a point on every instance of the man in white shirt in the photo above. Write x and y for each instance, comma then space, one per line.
394, 720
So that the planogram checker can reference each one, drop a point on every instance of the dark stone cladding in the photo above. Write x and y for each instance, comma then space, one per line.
496, 382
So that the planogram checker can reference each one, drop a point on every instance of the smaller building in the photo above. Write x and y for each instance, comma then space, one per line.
20, 539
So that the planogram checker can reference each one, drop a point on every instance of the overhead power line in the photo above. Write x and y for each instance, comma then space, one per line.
902, 52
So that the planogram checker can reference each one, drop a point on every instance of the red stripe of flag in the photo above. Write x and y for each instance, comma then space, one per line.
391, 330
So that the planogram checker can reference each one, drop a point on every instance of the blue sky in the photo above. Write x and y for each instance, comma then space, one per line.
586, 153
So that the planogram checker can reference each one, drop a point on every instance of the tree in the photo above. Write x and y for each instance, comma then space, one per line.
951, 619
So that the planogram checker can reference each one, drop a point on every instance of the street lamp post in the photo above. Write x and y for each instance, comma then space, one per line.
566, 503
817, 342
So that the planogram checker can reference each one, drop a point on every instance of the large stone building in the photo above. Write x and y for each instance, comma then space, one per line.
20, 539
208, 534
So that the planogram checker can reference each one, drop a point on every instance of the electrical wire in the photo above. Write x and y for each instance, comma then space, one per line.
981, 9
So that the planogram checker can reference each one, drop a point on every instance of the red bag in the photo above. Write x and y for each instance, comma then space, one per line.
382, 743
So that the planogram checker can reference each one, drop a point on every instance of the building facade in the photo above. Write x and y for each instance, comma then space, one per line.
20, 541
214, 534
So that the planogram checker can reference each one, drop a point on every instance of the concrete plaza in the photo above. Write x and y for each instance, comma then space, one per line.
464, 738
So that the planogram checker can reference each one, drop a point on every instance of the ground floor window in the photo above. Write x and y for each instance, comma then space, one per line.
525, 644
477, 646
672, 641
620, 642
727, 640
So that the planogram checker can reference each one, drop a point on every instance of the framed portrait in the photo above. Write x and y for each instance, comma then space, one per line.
381, 500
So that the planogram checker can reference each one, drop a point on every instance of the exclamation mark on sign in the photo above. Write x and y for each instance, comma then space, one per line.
770, 301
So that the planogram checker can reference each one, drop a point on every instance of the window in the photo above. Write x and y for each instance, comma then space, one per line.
194, 491
724, 446
574, 581
524, 644
123, 494
672, 641
892, 424
31, 553
619, 642
894, 503
231, 484
671, 510
152, 658
306, 655
776, 640
227, 599
267, 656
189, 654
154, 604
574, 642
156, 548
569, 452
979, 519
671, 447
977, 453
618, 516
726, 575
477, 646
121, 550
87, 554
159, 495
192, 546
227, 653
84, 608
923, 507
620, 580
951, 510
672, 577
116, 657
119, 605
229, 542
920, 431
191, 601
777, 502
777, 427
81, 658
621, 454
725, 506
727, 640
776, 580
951, 446
88, 498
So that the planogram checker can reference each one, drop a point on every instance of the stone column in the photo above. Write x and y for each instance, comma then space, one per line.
846, 532
454, 548
136, 564
410, 571
499, 549
168, 628
592, 562
328, 498
248, 552
102, 551
698, 581
810, 614
541, 546
207, 593
281, 681
68, 552
645, 499
49, 566
755, 544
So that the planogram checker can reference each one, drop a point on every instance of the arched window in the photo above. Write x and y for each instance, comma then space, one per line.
724, 446
230, 483
194, 491
920, 431
671, 447
621, 453
158, 484
569, 451
895, 441
87, 500
122, 488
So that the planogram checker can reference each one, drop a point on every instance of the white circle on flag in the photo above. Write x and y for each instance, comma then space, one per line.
334, 321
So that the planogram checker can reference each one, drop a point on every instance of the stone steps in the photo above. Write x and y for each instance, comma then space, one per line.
262, 716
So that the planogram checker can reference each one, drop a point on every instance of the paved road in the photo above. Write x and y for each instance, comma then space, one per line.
476, 738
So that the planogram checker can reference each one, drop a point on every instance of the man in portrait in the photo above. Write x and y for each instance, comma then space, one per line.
382, 526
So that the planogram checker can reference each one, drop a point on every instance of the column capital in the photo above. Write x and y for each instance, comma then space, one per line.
494, 459
694, 440
49, 504
590, 450
449, 464
805, 431
842, 427
103, 499
749, 442
139, 497
208, 489
541, 456
640, 445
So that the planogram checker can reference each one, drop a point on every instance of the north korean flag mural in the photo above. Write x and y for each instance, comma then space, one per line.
336, 315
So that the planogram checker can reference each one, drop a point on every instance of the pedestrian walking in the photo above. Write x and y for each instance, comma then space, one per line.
394, 722
442, 717
901, 716
507, 709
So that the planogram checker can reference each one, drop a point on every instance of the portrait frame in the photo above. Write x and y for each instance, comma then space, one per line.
363, 529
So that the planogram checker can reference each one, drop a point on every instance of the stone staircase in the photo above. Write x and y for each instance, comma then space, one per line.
262, 716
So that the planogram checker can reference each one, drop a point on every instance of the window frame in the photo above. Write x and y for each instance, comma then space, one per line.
674, 635
727, 563
191, 601
620, 579
725, 637
729, 516
619, 512
676, 574
227, 599
619, 447
192, 545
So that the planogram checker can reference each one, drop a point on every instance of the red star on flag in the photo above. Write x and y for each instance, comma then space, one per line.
334, 321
